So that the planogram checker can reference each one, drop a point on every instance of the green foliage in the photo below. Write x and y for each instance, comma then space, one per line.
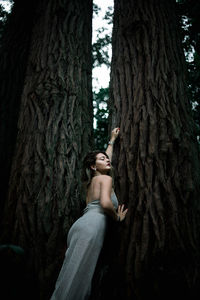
194, 89
3, 14
4, 18
100, 50
96, 9
189, 13
101, 118
191, 10
109, 15
100, 98
104, 39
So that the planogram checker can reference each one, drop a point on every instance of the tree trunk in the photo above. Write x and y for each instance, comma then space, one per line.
13, 60
54, 133
156, 156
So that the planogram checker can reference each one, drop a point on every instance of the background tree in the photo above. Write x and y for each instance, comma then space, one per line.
188, 14
157, 158
12, 82
14, 45
54, 133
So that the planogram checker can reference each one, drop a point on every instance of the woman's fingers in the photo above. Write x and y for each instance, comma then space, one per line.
121, 209
125, 211
115, 132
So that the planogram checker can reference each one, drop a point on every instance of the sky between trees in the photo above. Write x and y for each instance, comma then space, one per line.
101, 74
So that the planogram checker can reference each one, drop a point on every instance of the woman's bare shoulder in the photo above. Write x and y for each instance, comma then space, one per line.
104, 178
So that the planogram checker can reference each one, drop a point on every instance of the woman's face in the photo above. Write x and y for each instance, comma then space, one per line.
103, 164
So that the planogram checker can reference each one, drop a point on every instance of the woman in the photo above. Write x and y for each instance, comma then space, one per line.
86, 236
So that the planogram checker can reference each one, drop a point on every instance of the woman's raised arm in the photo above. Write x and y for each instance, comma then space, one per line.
114, 135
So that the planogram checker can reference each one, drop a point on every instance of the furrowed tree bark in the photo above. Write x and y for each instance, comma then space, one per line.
54, 133
156, 156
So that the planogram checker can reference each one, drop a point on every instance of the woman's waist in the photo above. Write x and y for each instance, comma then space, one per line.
93, 206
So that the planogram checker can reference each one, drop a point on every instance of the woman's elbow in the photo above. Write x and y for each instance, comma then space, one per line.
105, 204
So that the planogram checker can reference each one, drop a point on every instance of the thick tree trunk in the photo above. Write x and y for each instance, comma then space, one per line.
157, 159
54, 133
13, 61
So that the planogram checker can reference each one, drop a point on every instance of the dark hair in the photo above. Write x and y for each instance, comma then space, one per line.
87, 172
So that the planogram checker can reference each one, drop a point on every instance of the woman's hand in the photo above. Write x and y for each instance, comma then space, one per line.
114, 134
121, 212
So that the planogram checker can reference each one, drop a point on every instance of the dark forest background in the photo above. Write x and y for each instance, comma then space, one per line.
188, 13
46, 112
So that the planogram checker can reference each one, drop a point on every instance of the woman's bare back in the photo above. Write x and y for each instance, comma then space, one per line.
94, 190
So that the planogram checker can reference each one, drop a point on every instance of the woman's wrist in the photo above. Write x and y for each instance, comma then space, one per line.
118, 218
111, 142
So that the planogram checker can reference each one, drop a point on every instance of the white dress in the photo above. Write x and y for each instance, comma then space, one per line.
85, 240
